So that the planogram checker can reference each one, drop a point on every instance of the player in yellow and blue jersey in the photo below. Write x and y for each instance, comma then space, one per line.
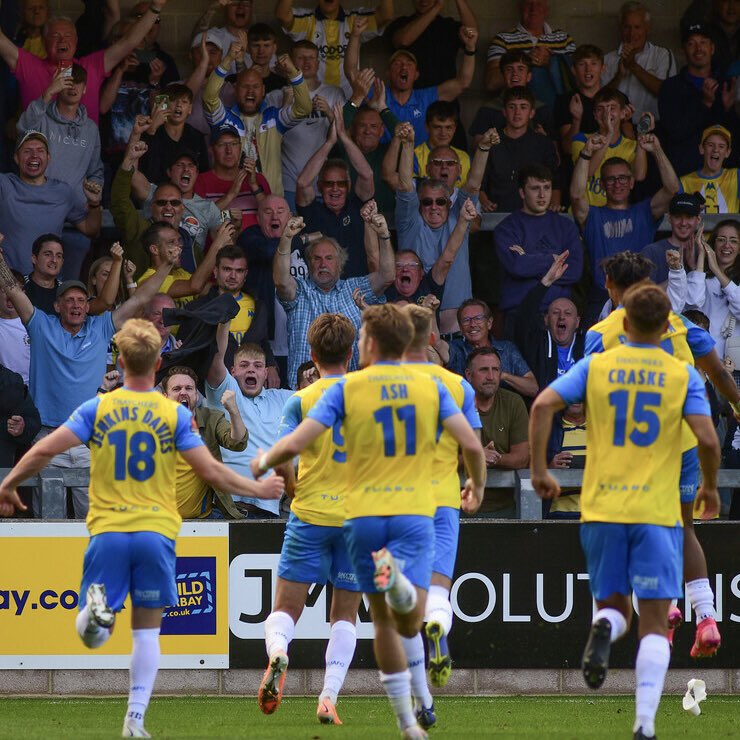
446, 486
636, 396
134, 434
391, 416
694, 345
314, 548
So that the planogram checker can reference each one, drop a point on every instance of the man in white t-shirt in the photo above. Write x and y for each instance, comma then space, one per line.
15, 346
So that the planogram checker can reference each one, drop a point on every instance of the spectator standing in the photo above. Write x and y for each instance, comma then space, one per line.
637, 67
19, 417
15, 346
548, 48
42, 283
441, 125
261, 46
504, 432
719, 186
74, 140
238, 18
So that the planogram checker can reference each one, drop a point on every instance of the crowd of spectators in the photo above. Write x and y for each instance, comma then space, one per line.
280, 177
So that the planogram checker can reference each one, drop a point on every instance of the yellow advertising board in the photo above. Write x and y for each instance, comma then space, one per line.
40, 572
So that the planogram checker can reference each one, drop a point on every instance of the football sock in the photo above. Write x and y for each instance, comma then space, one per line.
439, 608
414, 647
279, 629
143, 672
653, 657
90, 632
401, 597
339, 653
701, 597
398, 688
616, 620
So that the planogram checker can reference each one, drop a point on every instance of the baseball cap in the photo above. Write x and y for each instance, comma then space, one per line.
212, 37
403, 53
224, 128
189, 153
696, 29
32, 134
719, 130
68, 285
687, 203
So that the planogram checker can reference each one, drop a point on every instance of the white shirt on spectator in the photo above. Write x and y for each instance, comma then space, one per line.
15, 347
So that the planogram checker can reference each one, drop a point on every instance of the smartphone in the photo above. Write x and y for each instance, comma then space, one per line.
162, 101
242, 159
145, 56
643, 125
66, 68
225, 216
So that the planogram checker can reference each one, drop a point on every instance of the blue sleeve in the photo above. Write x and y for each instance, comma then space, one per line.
700, 341
594, 344
571, 387
696, 395
82, 420
468, 405
330, 407
518, 365
291, 417
186, 438
447, 405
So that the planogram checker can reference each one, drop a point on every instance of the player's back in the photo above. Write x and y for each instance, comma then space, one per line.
133, 437
635, 398
391, 422
319, 493
445, 476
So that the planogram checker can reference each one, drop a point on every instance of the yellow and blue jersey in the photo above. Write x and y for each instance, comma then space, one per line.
636, 397
445, 476
391, 421
133, 438
721, 192
322, 468
624, 148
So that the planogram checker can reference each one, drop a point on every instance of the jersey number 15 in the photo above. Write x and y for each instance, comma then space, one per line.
646, 422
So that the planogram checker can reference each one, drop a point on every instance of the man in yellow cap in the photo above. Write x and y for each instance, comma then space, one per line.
718, 185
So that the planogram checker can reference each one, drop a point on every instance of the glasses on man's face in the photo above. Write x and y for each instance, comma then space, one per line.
335, 183
162, 202
409, 265
426, 202
444, 162
477, 319
614, 179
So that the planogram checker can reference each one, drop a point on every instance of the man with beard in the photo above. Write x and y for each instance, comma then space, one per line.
260, 407
195, 498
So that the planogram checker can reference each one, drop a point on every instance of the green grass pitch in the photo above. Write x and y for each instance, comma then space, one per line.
515, 717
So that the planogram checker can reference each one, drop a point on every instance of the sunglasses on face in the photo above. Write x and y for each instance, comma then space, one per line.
161, 202
426, 202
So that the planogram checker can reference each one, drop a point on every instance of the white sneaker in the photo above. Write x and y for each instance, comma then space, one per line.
98, 609
131, 729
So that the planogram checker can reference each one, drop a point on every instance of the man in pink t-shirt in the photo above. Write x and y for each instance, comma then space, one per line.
34, 75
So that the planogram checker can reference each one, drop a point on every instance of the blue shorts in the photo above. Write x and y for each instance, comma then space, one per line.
644, 558
313, 554
689, 480
139, 563
410, 538
446, 533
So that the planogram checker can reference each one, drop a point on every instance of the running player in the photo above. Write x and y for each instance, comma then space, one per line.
391, 416
314, 549
134, 433
694, 345
636, 396
446, 486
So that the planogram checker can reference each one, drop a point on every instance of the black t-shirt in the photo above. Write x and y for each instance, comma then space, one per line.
42, 298
561, 113
162, 151
435, 49
492, 116
274, 82
426, 286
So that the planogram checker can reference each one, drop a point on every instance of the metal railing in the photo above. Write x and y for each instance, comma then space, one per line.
53, 483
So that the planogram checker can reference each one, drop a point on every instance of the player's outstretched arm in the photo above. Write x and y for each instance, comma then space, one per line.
38, 457
721, 379
473, 458
709, 457
544, 408
288, 447
205, 466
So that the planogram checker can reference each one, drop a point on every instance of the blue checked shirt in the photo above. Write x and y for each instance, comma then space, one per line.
310, 302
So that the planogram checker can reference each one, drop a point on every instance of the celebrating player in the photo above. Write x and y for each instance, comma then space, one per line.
314, 547
390, 417
134, 433
635, 395
694, 345
446, 487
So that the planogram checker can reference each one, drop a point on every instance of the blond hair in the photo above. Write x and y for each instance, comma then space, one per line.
139, 344
390, 327
421, 318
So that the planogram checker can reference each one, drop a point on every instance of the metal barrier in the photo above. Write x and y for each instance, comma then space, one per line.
53, 483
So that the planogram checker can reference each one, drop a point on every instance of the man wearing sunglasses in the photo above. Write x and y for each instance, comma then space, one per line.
619, 225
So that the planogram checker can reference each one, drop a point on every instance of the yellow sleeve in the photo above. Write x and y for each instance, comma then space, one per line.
211, 92
302, 105
303, 26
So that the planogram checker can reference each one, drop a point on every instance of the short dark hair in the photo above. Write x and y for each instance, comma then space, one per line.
515, 56
334, 163
79, 73
626, 268
647, 307
390, 327
178, 90
442, 110
260, 32
695, 316
518, 93
615, 162
587, 51
153, 234
609, 94
480, 352
178, 370
535, 171
43, 239
231, 252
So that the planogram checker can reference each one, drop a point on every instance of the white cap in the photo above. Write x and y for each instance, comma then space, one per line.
212, 37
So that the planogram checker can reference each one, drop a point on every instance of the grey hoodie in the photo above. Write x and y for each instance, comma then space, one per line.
74, 145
